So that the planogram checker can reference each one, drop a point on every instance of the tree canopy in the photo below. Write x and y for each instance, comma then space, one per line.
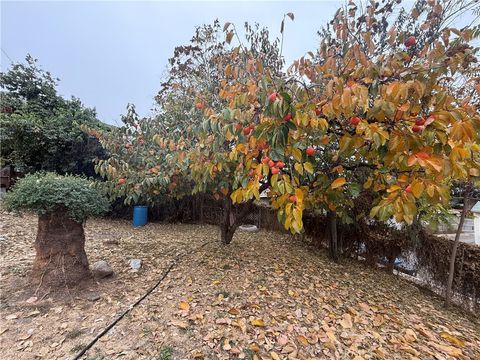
375, 109
41, 129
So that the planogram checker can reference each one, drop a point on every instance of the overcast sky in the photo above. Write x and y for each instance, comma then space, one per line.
111, 53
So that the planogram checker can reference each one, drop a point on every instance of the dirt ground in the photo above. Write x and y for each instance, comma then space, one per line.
266, 296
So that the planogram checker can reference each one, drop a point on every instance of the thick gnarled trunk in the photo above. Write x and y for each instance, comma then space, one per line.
60, 251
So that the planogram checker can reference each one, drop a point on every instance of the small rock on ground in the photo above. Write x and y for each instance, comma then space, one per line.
135, 264
101, 269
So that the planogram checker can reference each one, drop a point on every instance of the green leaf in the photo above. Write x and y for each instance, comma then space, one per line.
308, 167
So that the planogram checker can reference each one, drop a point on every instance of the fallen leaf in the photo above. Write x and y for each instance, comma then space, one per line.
179, 323
274, 355
241, 323
234, 311
452, 339
450, 350
282, 340
410, 335
312, 339
257, 322
331, 336
346, 321
288, 349
226, 345
302, 340
254, 347
184, 306
364, 307
197, 354
378, 320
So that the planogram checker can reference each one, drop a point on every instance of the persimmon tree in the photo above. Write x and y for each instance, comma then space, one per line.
139, 170
222, 157
372, 109
149, 159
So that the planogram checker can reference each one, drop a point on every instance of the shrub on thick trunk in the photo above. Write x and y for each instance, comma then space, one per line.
62, 204
60, 250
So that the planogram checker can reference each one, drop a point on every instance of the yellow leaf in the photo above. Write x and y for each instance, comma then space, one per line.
297, 154
446, 349
299, 168
368, 183
257, 322
299, 195
431, 190
309, 167
417, 189
331, 336
197, 354
184, 305
274, 355
454, 340
338, 182
297, 214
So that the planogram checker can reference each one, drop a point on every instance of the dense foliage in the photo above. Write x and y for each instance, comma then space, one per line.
40, 130
45, 193
384, 109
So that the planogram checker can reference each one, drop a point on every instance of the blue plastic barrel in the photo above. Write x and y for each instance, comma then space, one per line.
140, 215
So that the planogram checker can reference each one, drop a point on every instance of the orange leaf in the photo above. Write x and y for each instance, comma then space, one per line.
422, 155
338, 182
302, 340
411, 160
184, 305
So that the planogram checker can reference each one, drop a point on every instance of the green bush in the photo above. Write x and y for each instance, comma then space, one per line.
44, 193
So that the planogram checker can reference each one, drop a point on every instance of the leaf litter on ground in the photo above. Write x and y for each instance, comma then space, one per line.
239, 301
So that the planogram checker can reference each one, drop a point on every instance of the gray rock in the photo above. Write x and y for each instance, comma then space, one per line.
92, 297
101, 269
135, 264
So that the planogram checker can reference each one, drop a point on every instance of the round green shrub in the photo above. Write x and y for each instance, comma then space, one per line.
44, 193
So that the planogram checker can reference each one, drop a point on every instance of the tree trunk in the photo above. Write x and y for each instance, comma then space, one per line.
200, 198
391, 263
453, 255
230, 220
333, 243
226, 227
226, 234
60, 250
